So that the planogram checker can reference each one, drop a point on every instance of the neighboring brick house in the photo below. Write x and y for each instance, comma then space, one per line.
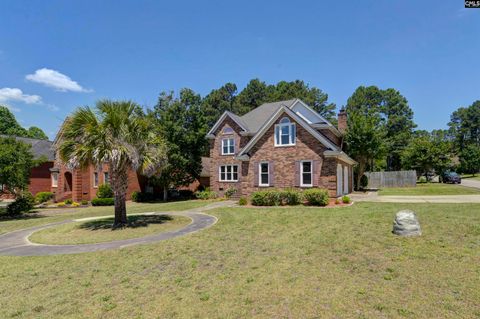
203, 181
39, 175
283, 144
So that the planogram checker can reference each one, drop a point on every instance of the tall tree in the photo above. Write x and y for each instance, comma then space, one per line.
364, 140
118, 134
16, 162
253, 95
35, 132
179, 121
218, 101
470, 159
465, 126
9, 125
395, 115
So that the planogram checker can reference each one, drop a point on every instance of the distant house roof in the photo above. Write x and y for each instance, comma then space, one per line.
39, 147
205, 167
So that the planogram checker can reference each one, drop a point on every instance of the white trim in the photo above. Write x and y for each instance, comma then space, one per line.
260, 184
228, 145
341, 156
55, 180
311, 174
220, 120
95, 182
310, 109
292, 138
220, 173
330, 127
297, 119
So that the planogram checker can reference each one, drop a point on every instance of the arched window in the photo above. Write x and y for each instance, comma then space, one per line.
285, 133
227, 130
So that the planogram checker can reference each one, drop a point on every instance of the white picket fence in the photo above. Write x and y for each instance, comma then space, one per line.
391, 179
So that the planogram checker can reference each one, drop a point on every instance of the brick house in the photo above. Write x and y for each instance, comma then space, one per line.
283, 144
39, 175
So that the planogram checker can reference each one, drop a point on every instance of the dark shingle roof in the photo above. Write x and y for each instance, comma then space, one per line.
257, 117
39, 147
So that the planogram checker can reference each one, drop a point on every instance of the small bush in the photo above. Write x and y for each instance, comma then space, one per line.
230, 192
363, 182
422, 179
103, 202
104, 191
242, 201
346, 199
291, 197
316, 196
142, 197
22, 204
75, 204
43, 197
185, 194
337, 202
61, 204
206, 194
266, 198
84, 202
68, 202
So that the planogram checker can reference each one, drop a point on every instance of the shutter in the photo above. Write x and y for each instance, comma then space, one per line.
297, 173
277, 135
237, 145
294, 133
255, 174
221, 147
271, 173
315, 173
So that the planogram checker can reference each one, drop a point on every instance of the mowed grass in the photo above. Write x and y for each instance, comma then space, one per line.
53, 215
430, 189
97, 231
298, 262
470, 176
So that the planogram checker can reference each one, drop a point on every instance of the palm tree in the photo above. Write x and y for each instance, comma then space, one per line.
116, 133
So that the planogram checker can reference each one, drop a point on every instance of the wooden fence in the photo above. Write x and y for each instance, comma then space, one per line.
391, 179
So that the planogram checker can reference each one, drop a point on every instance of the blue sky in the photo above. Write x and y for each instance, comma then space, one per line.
57, 55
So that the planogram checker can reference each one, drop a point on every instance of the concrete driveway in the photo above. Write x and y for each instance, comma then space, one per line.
374, 197
469, 182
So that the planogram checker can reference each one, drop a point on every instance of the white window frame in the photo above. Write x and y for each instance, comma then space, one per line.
230, 144
226, 180
292, 139
302, 184
95, 179
54, 179
227, 131
106, 178
260, 174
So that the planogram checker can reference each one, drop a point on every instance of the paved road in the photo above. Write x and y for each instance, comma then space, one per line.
470, 182
374, 197
17, 244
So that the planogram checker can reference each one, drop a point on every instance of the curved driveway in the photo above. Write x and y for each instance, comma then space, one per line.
16, 243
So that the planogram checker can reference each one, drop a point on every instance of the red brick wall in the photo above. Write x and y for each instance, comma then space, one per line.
40, 178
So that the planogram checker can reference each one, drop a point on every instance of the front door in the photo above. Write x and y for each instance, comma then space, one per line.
339, 180
345, 180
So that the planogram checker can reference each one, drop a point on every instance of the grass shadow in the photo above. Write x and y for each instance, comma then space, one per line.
133, 222
33, 214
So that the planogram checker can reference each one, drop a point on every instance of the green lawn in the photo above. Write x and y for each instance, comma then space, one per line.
298, 262
100, 230
470, 176
430, 189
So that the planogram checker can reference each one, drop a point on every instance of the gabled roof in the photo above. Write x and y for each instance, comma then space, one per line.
258, 116
281, 110
226, 114
40, 148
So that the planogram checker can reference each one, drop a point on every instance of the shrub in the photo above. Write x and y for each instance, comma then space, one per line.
61, 204
42, 197
75, 204
142, 197
206, 194
363, 182
316, 196
291, 197
346, 199
22, 204
422, 179
69, 201
103, 202
104, 191
266, 198
337, 202
84, 202
230, 192
185, 194
242, 201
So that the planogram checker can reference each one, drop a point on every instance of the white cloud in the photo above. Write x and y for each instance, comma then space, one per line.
56, 80
11, 108
14, 94
52, 107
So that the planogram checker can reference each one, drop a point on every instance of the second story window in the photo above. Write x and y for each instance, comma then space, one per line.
285, 133
228, 146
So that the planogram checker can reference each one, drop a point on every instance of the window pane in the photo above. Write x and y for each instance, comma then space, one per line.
232, 149
285, 129
235, 168
307, 167
293, 134
277, 135
307, 178
222, 176
285, 140
225, 150
222, 169
235, 176
264, 179
264, 167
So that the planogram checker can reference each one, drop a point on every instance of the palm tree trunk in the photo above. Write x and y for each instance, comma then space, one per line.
120, 211
119, 181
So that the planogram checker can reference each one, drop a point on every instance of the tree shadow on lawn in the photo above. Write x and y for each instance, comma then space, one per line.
132, 222
33, 214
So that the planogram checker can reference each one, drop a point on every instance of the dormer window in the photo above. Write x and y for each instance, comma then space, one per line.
285, 133
228, 146
227, 130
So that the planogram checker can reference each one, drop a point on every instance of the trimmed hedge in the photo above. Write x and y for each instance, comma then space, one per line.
104, 191
103, 202
277, 197
43, 197
316, 197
